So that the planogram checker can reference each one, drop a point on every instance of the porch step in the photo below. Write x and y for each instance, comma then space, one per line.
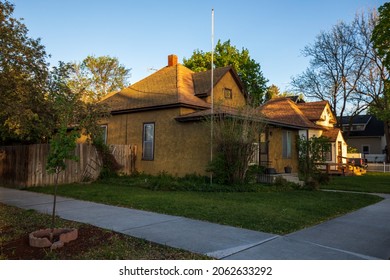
291, 177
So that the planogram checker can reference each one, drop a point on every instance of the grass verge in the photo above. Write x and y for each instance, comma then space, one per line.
371, 182
93, 243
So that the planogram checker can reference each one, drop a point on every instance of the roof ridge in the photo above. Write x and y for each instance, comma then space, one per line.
312, 103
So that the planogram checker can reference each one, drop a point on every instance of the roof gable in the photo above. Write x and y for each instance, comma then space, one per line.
372, 127
316, 111
202, 80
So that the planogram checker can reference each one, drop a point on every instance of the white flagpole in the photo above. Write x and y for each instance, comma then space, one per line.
212, 91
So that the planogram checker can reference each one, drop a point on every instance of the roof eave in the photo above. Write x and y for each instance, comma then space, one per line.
158, 107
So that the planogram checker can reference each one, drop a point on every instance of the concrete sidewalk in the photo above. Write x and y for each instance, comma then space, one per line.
364, 234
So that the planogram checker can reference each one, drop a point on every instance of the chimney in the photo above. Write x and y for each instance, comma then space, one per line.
172, 60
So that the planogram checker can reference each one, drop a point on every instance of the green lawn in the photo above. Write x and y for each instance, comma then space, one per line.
270, 209
371, 182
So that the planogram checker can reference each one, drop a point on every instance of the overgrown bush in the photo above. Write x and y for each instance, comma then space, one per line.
109, 164
311, 152
234, 132
283, 184
253, 172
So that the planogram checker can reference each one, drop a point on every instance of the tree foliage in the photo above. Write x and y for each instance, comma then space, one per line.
66, 106
348, 68
381, 40
24, 114
70, 110
311, 152
247, 68
381, 34
95, 77
272, 92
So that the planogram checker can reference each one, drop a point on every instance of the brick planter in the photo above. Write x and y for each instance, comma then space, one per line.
41, 238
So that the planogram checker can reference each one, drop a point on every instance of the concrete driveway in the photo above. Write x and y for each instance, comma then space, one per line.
363, 234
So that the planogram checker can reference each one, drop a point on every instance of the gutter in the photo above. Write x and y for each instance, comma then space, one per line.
157, 107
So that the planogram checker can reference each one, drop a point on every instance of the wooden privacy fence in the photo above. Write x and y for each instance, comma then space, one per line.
25, 165
126, 156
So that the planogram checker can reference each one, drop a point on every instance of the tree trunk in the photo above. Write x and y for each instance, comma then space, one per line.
53, 216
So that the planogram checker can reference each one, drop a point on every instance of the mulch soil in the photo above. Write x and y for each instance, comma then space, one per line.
89, 237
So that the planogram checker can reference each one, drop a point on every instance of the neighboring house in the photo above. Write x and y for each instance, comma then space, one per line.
163, 115
366, 134
287, 120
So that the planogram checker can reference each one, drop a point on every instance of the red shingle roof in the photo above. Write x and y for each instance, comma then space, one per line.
313, 110
169, 86
331, 133
284, 111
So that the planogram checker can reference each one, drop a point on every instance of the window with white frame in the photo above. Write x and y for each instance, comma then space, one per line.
326, 151
104, 133
148, 141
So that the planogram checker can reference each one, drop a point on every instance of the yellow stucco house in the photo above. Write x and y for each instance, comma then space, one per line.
163, 116
147, 115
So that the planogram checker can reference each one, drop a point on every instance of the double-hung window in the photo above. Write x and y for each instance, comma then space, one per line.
148, 142
228, 93
287, 142
104, 133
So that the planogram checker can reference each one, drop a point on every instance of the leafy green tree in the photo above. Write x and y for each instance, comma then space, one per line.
311, 152
247, 68
67, 106
24, 114
62, 147
381, 40
81, 117
95, 77
381, 34
272, 92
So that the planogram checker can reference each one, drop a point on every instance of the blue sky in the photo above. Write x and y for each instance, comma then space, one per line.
142, 33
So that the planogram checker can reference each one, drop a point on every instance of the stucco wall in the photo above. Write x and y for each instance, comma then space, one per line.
179, 148
227, 81
276, 150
